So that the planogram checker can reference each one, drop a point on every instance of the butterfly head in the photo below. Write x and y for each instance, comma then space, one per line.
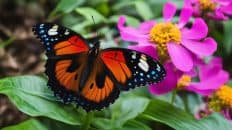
95, 48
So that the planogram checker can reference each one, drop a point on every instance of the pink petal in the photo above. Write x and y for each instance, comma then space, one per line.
180, 57
226, 113
201, 92
198, 30
208, 86
203, 48
188, 3
219, 15
191, 73
216, 61
227, 9
206, 71
147, 49
130, 33
169, 11
185, 15
145, 27
168, 84
223, 2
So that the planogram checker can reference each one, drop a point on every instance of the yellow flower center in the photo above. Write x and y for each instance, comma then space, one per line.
225, 95
162, 33
183, 81
207, 5
221, 98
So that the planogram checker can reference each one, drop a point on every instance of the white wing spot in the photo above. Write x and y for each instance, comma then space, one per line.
66, 32
143, 65
133, 55
91, 45
53, 30
158, 68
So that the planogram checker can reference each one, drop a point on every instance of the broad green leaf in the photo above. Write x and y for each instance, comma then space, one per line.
135, 125
65, 6
100, 123
31, 95
227, 37
88, 13
31, 124
176, 118
80, 27
126, 108
143, 10
122, 4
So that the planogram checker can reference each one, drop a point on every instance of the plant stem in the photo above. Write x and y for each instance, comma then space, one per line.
173, 96
185, 101
88, 119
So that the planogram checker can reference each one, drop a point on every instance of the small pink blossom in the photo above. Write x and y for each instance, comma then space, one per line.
214, 9
211, 76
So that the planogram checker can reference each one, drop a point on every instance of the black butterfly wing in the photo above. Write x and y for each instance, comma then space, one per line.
67, 53
59, 40
130, 68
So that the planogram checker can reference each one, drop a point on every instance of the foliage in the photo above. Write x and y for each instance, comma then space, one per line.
130, 111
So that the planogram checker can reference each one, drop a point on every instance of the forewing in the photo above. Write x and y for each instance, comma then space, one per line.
59, 40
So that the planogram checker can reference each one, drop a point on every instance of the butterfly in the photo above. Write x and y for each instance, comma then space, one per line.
79, 71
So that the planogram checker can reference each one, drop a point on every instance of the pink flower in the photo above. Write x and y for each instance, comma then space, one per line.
170, 40
214, 9
211, 76
227, 114
221, 101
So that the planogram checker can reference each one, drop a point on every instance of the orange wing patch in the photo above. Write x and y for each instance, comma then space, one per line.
71, 46
66, 79
93, 93
115, 62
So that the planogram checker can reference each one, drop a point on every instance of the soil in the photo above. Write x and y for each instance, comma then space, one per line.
20, 52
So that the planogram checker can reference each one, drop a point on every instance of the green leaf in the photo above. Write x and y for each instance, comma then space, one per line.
176, 118
100, 123
126, 108
31, 95
227, 37
65, 6
31, 124
88, 13
143, 9
135, 125
80, 27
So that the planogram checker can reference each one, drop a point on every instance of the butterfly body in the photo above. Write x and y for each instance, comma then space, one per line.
79, 71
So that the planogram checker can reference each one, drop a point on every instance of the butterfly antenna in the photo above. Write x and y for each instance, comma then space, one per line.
95, 25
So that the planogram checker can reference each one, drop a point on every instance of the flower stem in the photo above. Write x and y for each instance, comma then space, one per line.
173, 96
88, 119
185, 101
